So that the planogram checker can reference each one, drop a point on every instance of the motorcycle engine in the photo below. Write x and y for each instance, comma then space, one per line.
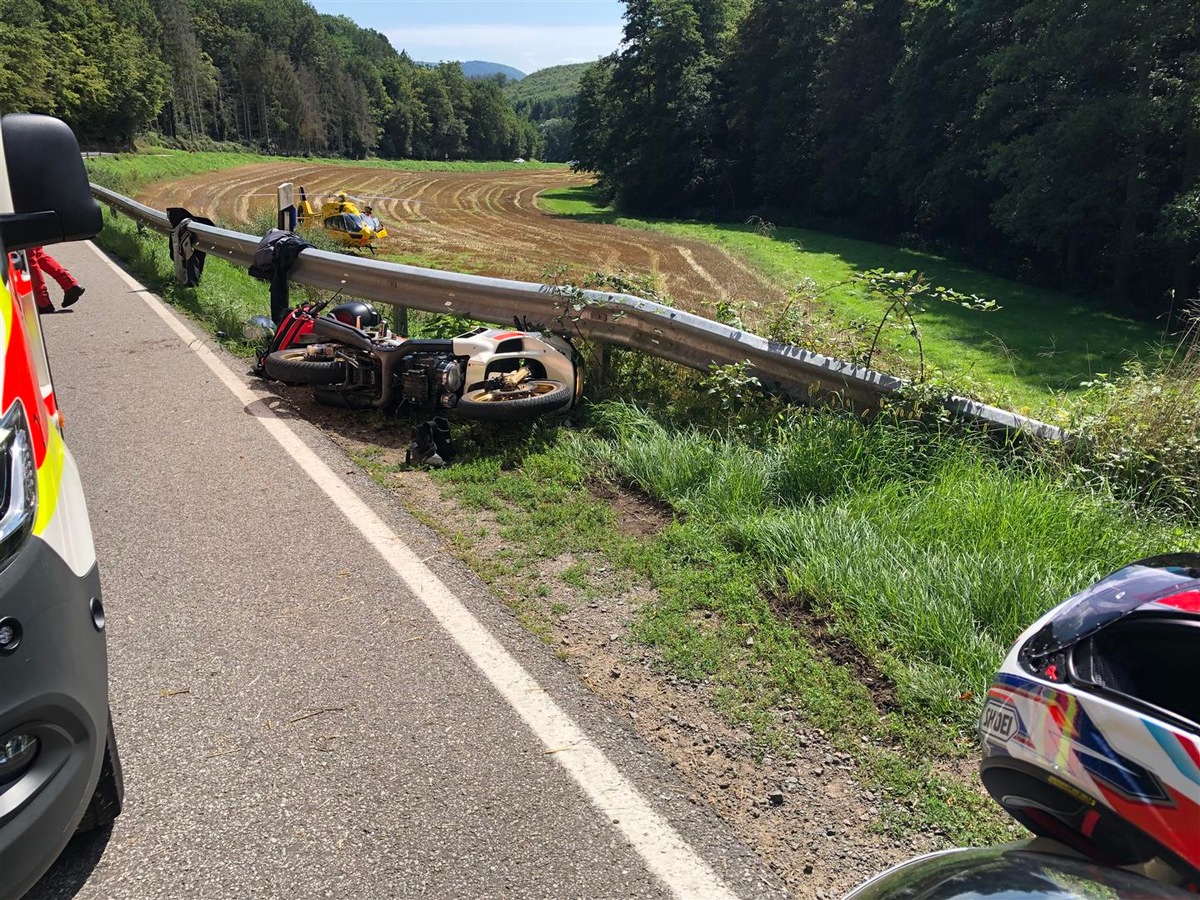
415, 385
431, 379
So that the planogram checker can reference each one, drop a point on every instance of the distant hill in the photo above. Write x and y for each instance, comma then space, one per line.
478, 69
548, 93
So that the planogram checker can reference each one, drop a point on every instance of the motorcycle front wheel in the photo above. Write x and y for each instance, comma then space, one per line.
531, 398
291, 366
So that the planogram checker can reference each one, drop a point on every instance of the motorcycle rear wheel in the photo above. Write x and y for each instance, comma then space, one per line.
291, 366
531, 398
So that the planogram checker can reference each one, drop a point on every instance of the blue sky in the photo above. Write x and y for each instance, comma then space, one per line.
526, 34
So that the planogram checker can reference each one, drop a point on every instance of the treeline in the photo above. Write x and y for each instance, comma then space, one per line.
548, 97
269, 73
1047, 138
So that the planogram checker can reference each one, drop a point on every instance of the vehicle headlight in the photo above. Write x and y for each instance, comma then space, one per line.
18, 482
17, 751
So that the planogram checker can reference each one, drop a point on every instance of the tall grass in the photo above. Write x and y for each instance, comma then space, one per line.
1140, 432
929, 550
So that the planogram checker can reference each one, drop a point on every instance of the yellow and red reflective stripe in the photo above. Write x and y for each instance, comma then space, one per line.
20, 381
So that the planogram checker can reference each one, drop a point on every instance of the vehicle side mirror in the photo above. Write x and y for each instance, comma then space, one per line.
51, 200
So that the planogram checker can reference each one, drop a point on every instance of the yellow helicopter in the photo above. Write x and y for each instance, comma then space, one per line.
342, 220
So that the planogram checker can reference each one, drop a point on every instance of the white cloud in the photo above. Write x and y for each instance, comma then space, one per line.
525, 47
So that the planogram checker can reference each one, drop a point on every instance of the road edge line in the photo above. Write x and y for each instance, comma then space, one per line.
666, 853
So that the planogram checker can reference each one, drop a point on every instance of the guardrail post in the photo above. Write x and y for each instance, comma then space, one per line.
286, 220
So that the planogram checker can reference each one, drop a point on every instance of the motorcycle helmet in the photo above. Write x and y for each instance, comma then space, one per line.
1091, 731
356, 313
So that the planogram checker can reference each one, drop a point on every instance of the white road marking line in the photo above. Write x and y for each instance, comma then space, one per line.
665, 852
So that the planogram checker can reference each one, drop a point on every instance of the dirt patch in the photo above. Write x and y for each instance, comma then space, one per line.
839, 649
487, 222
637, 516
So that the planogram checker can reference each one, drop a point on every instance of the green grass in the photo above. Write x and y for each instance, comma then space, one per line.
1039, 343
930, 552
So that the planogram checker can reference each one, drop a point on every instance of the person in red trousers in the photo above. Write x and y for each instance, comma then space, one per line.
41, 261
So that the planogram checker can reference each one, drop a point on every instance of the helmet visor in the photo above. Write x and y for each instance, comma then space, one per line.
1113, 598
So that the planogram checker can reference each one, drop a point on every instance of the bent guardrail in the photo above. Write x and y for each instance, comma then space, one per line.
617, 319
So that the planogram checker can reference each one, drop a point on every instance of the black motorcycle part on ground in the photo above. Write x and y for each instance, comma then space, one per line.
471, 407
328, 396
292, 367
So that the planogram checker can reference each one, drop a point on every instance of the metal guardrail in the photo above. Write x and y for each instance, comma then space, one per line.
616, 319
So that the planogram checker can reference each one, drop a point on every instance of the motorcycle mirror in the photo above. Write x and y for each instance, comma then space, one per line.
259, 328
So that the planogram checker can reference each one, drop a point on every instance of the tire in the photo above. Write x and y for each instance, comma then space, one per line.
109, 796
342, 399
291, 367
533, 398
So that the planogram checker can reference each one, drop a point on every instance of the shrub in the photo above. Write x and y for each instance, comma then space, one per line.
1139, 433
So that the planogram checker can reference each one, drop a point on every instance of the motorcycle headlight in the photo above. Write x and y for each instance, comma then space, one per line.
18, 482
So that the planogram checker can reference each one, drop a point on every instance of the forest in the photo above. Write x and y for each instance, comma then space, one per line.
273, 74
1053, 140
548, 97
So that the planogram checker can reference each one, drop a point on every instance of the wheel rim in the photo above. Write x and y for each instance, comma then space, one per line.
537, 389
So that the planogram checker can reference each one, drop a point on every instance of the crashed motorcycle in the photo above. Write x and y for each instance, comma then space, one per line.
351, 359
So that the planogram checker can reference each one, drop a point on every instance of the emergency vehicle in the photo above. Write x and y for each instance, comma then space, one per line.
59, 768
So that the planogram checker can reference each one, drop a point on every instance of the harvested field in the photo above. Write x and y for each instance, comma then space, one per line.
487, 223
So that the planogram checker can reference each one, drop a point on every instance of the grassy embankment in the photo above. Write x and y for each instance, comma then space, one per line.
792, 534
1039, 344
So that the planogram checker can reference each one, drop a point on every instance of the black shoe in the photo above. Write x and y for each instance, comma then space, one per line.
441, 437
423, 449
72, 295
46, 310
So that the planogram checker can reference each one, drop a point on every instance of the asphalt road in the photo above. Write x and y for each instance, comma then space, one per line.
294, 721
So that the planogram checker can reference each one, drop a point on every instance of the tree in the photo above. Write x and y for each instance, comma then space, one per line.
25, 58
1090, 103
661, 157
108, 82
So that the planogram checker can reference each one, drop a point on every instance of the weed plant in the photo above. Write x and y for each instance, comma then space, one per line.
1140, 433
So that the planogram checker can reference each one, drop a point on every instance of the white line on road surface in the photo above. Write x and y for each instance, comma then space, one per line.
665, 852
